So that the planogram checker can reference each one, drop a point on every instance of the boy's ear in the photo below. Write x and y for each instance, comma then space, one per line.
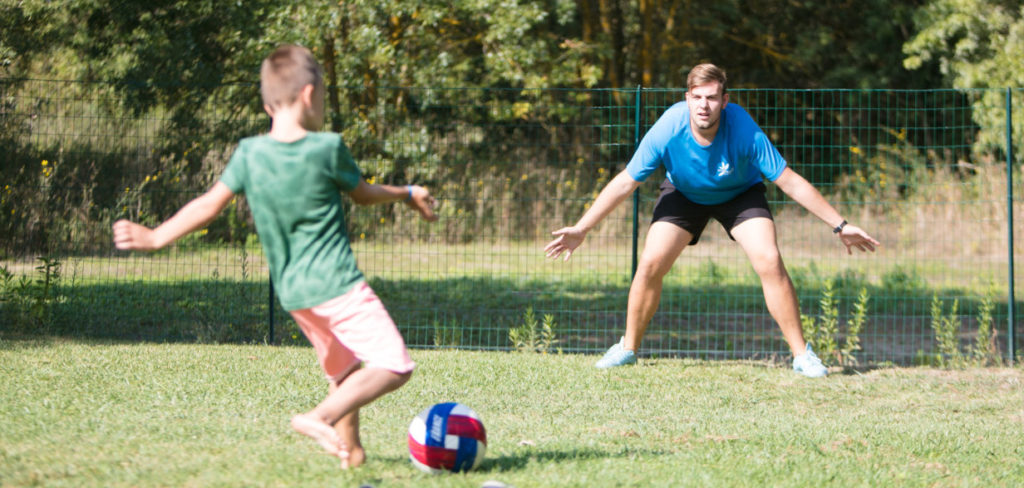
306, 95
269, 110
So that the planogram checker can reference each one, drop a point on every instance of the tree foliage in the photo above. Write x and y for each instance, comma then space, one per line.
761, 43
976, 44
405, 78
513, 43
174, 54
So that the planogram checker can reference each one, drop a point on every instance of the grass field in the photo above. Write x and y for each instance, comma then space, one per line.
138, 414
471, 295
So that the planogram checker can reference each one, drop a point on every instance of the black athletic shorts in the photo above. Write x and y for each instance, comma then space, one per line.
675, 208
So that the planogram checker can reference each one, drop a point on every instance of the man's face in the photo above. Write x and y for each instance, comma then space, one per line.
706, 103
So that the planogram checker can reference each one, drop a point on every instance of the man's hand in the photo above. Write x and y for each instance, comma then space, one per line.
569, 238
853, 236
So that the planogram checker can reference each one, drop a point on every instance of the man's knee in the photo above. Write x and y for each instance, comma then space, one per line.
652, 267
768, 264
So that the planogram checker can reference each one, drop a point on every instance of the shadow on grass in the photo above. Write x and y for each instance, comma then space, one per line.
700, 321
520, 461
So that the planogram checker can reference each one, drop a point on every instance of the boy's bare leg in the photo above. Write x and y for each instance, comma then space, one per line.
320, 431
348, 429
342, 403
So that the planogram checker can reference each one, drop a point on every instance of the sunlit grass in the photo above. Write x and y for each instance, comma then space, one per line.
107, 414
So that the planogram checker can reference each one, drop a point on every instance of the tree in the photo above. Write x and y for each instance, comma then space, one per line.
762, 43
976, 44
175, 54
25, 29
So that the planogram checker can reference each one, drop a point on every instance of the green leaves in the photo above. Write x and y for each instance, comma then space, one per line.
976, 44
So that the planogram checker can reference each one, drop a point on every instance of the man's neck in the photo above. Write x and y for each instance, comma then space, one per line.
705, 136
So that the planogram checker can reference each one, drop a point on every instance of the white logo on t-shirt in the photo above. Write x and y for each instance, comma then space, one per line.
724, 169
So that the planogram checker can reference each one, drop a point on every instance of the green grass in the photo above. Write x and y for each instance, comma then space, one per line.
712, 305
136, 414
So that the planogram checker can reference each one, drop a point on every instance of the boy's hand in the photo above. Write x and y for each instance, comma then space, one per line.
423, 202
132, 236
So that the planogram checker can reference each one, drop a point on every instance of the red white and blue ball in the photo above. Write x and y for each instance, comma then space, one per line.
447, 437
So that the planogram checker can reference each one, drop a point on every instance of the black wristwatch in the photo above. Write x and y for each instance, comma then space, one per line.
839, 228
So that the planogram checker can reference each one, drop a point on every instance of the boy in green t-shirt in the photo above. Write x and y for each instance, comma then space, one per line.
292, 178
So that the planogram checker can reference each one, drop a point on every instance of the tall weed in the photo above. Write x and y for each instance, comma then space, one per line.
947, 327
947, 333
534, 336
984, 351
824, 333
27, 302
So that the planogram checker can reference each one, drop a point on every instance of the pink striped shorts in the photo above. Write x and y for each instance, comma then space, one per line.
351, 329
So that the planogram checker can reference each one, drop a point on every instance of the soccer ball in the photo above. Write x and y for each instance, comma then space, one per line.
447, 437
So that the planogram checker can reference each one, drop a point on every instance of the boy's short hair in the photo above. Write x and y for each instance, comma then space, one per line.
285, 72
706, 73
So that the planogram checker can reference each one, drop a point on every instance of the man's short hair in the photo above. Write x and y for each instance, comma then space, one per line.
706, 73
285, 72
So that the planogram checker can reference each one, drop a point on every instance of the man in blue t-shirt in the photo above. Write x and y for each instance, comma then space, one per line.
715, 157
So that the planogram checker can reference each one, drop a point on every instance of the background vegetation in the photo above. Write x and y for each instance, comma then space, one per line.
189, 68
515, 112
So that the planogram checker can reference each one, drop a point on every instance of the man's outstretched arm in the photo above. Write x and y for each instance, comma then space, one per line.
801, 190
569, 238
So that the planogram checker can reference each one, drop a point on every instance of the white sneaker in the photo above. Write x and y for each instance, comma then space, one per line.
616, 356
809, 365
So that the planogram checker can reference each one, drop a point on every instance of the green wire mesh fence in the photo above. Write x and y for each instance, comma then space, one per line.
928, 173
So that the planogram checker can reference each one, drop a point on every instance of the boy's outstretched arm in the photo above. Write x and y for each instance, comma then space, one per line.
194, 215
414, 196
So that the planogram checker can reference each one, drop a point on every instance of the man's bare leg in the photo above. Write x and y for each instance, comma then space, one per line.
664, 243
757, 238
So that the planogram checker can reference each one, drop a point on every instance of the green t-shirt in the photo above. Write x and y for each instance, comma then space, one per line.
294, 191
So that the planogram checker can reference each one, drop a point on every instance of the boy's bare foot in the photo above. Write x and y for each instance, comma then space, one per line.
352, 458
321, 432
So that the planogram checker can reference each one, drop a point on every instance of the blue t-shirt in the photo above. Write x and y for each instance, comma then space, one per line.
735, 160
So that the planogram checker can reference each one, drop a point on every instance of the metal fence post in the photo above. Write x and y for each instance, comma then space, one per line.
638, 106
1010, 349
270, 315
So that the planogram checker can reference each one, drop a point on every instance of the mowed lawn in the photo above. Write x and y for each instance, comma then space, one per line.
137, 414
